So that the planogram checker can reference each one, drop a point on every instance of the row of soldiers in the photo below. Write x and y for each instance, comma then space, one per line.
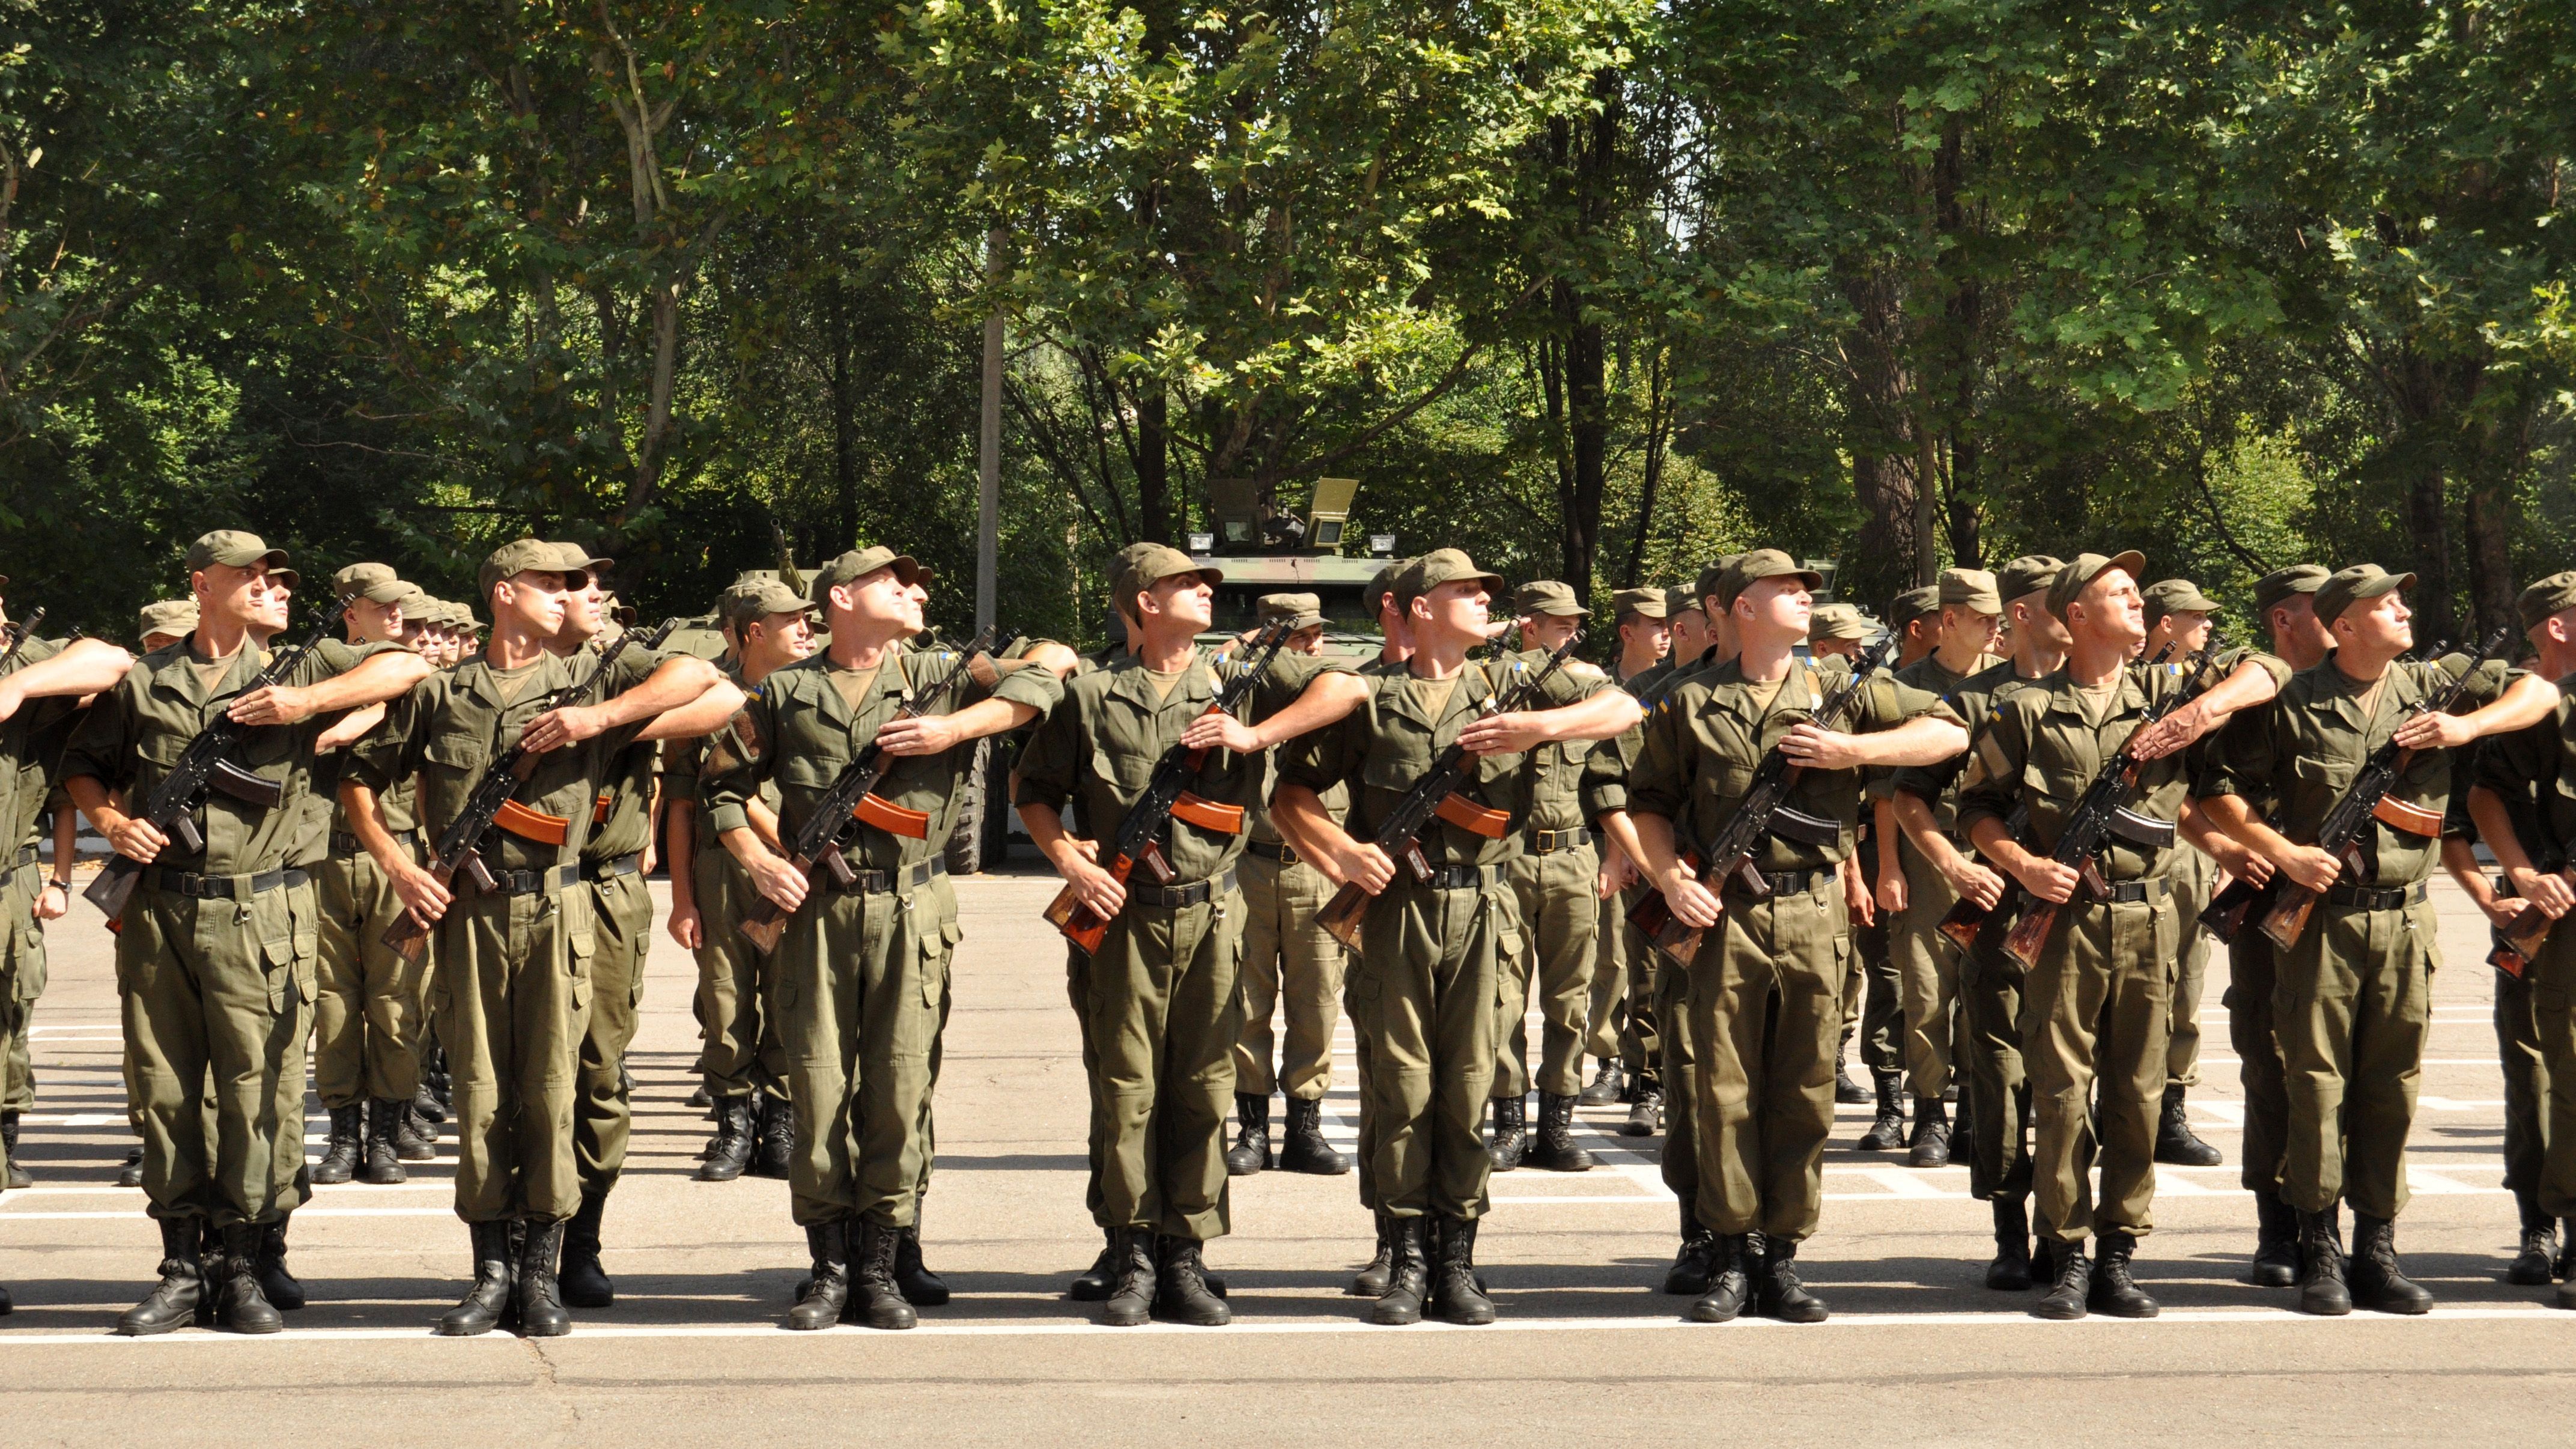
532, 968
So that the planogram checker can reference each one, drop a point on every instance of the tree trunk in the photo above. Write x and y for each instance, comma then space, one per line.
1879, 562
2427, 520
845, 474
1657, 430
1153, 463
1588, 428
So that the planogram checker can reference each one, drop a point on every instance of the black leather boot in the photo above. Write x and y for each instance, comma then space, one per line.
2378, 1282
347, 1144
488, 1301
1371, 1281
2321, 1282
2176, 1144
2069, 1297
426, 1106
582, 1281
701, 1099
1456, 1296
276, 1284
1131, 1301
2276, 1244
1554, 1148
1930, 1145
9, 1139
383, 1158
1510, 1137
2565, 1265
540, 1302
1609, 1085
920, 1287
239, 1304
1645, 1113
777, 1141
736, 1139
1887, 1131
415, 1136
180, 1297
1697, 1262
2114, 1292
1095, 1283
2010, 1270
1847, 1091
1408, 1281
1728, 1286
2531, 1266
131, 1174
1180, 1286
1776, 1287
1303, 1148
1251, 1150
827, 1290
874, 1298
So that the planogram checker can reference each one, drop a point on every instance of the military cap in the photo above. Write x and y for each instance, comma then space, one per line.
758, 598
1716, 581
859, 563
411, 601
1972, 587
1837, 621
1302, 611
576, 558
2083, 569
288, 577
1913, 604
1644, 603
1680, 600
233, 548
2348, 587
2553, 595
1143, 565
373, 581
1381, 584
2176, 596
169, 616
1441, 566
2026, 575
1763, 563
1546, 596
2279, 586
518, 556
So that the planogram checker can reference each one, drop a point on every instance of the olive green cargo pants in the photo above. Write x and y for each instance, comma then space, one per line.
511, 1000
1292, 971
2352, 1005
1559, 914
368, 1012
2551, 983
2193, 875
2095, 1010
742, 1052
1873, 1000
1166, 1012
2526, 1083
621, 910
857, 998
1606, 1015
1766, 994
1641, 1048
1677, 1072
22, 980
1997, 1085
1422, 996
949, 935
2250, 978
1927, 976
217, 999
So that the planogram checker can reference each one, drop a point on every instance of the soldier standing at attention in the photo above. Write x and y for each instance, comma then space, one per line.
2351, 1000
1766, 985
856, 994
1292, 969
1424, 986
1915, 615
1555, 886
1912, 893
511, 995
1165, 1011
213, 983
1840, 631
2178, 614
1645, 637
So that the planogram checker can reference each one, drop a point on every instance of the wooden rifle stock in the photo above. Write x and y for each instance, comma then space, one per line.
1086, 927
2523, 936
2293, 903
2029, 934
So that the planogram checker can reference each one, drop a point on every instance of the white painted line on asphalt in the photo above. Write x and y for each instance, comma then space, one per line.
302, 1212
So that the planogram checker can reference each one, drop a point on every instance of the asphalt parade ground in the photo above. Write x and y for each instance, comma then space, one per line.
1586, 1350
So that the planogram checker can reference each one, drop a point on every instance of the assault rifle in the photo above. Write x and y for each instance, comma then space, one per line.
19, 634
489, 803
1435, 796
204, 764
1762, 814
1167, 796
853, 796
2365, 800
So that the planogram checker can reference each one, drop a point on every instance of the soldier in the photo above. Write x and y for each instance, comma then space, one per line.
1875, 997
2535, 1260
2178, 614
367, 1015
212, 977
1766, 985
512, 993
1645, 638
2098, 1000
855, 994
1292, 968
1994, 1091
1913, 894
1840, 631
1425, 983
1555, 881
743, 1064
1165, 1014
165, 622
